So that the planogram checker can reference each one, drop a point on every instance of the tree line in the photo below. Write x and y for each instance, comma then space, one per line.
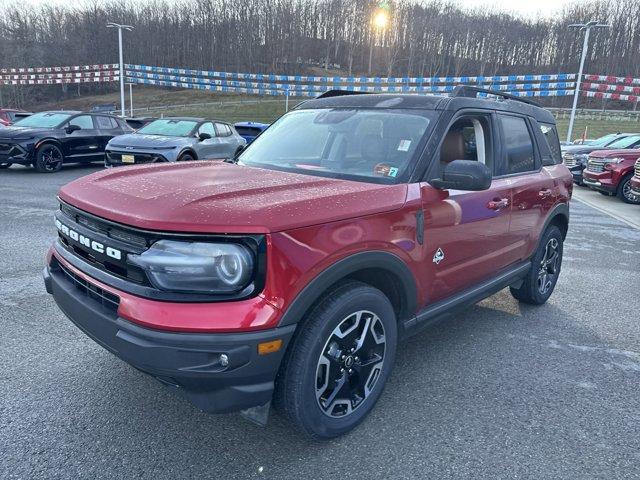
423, 38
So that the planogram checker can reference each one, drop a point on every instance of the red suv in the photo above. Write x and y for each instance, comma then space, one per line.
610, 172
291, 275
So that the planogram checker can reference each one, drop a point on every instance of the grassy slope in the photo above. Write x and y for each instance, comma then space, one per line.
262, 109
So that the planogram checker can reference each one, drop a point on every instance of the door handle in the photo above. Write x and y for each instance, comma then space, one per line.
544, 193
498, 203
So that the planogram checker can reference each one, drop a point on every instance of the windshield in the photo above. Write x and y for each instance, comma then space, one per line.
169, 127
370, 145
602, 141
625, 142
43, 120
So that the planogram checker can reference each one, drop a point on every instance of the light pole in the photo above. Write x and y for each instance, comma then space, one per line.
586, 27
120, 28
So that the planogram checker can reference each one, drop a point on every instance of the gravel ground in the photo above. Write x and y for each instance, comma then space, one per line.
501, 391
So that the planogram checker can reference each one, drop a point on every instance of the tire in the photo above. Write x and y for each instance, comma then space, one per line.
49, 159
4, 166
314, 360
624, 192
539, 283
186, 157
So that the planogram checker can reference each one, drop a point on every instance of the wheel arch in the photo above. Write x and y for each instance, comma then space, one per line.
47, 141
188, 150
382, 270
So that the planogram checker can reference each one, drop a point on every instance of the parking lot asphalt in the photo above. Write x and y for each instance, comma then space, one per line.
501, 391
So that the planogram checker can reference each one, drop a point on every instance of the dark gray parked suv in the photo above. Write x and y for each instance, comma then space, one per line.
175, 139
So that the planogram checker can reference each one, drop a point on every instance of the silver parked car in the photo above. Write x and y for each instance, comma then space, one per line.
175, 139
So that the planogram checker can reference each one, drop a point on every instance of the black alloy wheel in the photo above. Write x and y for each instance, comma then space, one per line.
49, 159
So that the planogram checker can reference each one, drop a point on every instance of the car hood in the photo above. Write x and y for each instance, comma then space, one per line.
217, 197
140, 140
582, 149
12, 132
628, 153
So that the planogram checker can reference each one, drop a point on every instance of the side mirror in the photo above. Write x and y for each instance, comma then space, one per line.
73, 128
464, 175
204, 136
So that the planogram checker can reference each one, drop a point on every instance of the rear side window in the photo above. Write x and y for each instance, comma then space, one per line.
518, 146
550, 134
106, 123
223, 130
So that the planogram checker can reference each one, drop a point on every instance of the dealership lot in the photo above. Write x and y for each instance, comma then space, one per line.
502, 391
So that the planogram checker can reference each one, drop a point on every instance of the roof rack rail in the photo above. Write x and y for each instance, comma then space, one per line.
339, 93
471, 92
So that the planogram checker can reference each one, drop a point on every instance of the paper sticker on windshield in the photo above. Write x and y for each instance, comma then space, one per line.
386, 170
404, 145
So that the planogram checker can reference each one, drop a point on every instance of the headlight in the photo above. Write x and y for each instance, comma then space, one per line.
197, 267
582, 158
614, 160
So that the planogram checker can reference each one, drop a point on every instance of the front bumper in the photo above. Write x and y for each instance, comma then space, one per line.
576, 173
114, 157
599, 181
15, 153
188, 362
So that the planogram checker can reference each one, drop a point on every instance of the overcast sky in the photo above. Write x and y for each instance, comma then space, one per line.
528, 8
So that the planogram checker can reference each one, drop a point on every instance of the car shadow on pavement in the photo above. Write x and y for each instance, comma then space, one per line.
489, 382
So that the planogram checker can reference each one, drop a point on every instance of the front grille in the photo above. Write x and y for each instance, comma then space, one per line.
637, 169
106, 299
570, 161
596, 165
138, 157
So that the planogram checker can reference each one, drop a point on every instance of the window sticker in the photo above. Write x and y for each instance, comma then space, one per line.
386, 170
404, 145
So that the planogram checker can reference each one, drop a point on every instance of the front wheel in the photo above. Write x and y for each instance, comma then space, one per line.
539, 283
339, 362
185, 157
625, 193
49, 159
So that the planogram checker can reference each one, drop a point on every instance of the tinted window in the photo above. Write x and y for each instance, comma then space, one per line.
551, 136
519, 156
106, 123
83, 121
207, 128
223, 130
468, 138
252, 131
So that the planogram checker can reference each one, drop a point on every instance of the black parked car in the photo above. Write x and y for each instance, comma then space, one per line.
46, 140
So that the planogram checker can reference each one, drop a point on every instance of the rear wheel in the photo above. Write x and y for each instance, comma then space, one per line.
49, 159
625, 193
539, 283
5, 165
339, 362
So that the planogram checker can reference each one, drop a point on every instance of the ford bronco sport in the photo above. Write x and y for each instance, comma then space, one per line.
290, 275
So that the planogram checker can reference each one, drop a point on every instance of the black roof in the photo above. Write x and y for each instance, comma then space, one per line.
429, 102
193, 119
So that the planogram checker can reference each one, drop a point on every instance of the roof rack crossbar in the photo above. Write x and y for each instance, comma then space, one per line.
472, 92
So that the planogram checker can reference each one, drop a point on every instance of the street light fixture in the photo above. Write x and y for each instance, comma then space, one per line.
586, 27
120, 28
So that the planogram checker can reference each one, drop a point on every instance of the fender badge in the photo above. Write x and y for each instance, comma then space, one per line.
438, 256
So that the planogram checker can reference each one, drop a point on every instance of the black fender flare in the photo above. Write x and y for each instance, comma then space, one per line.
345, 267
47, 140
560, 210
